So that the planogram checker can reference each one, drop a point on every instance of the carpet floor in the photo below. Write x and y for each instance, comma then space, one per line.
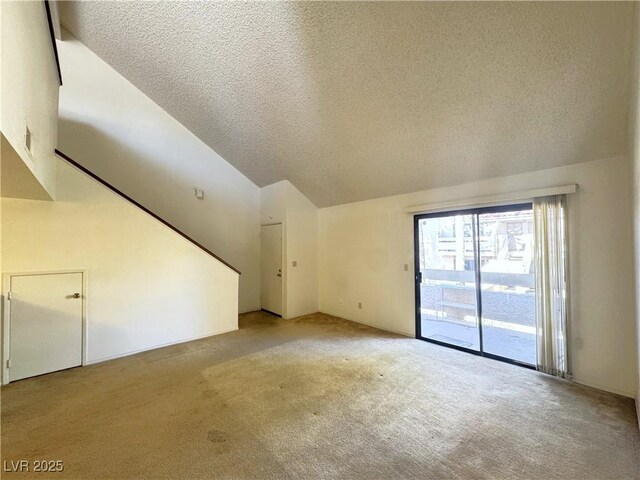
315, 397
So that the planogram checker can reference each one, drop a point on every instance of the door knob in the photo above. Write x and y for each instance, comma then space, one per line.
76, 295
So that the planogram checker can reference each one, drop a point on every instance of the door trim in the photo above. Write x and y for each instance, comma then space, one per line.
417, 280
6, 310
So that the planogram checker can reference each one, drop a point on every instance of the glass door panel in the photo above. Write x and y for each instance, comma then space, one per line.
508, 283
446, 279
475, 283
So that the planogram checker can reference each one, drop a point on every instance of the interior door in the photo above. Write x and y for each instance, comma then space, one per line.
272, 268
45, 323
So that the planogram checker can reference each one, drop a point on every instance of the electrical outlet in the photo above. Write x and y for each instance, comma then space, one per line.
406, 267
294, 263
360, 305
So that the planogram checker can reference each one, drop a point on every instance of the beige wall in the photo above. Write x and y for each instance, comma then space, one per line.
147, 286
283, 203
28, 97
112, 128
364, 246
634, 153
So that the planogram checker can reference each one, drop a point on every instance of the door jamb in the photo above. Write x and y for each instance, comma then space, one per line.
6, 313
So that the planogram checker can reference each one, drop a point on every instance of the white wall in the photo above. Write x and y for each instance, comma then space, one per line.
283, 203
302, 248
363, 248
29, 97
147, 286
112, 128
634, 153
273, 206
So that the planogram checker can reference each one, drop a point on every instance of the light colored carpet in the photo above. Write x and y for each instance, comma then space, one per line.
316, 397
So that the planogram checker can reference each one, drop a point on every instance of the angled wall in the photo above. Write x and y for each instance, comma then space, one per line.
110, 127
147, 286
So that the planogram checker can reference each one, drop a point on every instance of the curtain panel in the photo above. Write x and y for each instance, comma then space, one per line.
552, 301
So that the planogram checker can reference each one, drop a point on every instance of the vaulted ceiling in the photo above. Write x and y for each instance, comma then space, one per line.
351, 101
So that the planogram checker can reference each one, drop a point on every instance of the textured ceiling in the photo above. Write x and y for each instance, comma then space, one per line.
351, 101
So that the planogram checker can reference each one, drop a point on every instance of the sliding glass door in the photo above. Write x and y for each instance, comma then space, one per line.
475, 281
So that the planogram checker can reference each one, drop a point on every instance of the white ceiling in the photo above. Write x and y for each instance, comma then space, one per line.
351, 101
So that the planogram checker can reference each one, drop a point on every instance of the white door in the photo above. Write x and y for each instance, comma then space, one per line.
45, 323
272, 268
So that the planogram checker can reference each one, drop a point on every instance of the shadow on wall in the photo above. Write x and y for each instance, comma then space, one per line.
165, 185
108, 156
226, 221
177, 98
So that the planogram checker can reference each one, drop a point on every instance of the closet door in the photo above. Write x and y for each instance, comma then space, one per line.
45, 323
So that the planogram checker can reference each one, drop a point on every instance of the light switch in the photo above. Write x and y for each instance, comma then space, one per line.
294, 263
406, 267
199, 193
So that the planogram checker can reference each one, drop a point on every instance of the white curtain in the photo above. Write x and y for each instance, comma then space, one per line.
551, 265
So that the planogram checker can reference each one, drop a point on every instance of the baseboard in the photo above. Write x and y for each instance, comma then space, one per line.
605, 389
249, 311
399, 332
134, 352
